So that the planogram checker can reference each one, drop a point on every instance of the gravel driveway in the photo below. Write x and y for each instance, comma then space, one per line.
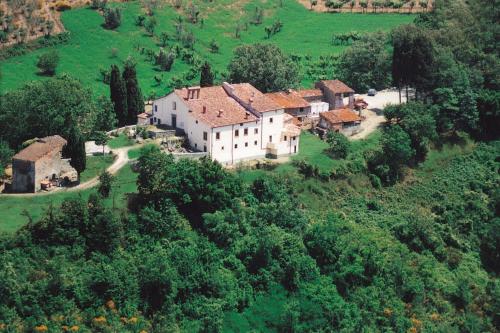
374, 112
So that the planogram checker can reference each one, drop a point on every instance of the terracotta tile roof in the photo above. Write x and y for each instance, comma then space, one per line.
337, 86
211, 100
288, 99
340, 116
40, 148
248, 94
304, 93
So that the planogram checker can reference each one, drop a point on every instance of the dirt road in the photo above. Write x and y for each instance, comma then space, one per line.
374, 113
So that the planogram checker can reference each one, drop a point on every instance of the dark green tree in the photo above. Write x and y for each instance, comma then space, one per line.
339, 144
106, 181
47, 62
264, 66
118, 92
207, 76
112, 18
5, 156
135, 100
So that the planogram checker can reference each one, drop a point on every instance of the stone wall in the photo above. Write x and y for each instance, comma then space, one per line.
23, 176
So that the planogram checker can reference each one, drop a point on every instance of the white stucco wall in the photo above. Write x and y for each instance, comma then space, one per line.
318, 107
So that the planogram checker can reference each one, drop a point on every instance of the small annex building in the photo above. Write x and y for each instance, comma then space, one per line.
39, 164
343, 120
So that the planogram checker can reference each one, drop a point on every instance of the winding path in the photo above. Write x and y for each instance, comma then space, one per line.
120, 161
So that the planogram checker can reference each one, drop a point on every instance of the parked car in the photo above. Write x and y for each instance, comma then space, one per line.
372, 92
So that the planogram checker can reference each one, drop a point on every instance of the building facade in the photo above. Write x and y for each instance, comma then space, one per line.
232, 122
334, 92
40, 162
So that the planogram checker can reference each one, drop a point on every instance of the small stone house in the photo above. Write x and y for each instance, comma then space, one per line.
40, 163
334, 92
344, 121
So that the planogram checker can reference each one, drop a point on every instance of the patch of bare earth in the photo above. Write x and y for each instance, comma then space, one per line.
321, 7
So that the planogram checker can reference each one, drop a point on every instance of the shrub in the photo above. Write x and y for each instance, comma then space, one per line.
112, 18
47, 62
339, 144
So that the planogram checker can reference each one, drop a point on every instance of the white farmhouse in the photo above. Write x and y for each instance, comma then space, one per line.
232, 122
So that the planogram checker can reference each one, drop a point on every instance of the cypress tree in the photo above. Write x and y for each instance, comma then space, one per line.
75, 149
118, 95
207, 77
135, 101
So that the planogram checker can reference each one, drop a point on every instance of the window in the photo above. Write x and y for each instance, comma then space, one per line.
156, 108
217, 135
245, 131
293, 138
154, 119
197, 121
271, 120
301, 109
174, 106
256, 131
285, 138
246, 144
222, 148
196, 145
204, 148
236, 133
270, 138
205, 136
255, 142
235, 146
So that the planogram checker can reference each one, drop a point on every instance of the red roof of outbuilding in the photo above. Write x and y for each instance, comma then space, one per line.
288, 99
337, 86
340, 116
40, 148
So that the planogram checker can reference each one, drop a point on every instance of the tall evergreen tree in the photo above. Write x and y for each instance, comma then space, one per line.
207, 76
135, 100
75, 148
118, 95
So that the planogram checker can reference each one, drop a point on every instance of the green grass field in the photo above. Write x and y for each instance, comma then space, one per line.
14, 209
95, 165
120, 141
312, 150
90, 48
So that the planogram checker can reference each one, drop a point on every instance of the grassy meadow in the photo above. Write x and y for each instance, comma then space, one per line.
15, 210
91, 48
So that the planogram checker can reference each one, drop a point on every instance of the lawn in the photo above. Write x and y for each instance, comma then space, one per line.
120, 141
14, 209
313, 150
304, 33
95, 165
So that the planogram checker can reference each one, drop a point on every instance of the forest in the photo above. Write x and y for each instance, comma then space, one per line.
402, 237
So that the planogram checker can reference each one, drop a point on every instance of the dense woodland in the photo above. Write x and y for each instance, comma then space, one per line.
381, 243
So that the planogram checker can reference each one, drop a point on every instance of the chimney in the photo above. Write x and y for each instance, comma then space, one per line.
220, 113
193, 92
250, 100
247, 114
204, 109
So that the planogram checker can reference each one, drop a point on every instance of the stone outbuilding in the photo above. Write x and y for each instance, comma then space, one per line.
41, 165
334, 92
344, 121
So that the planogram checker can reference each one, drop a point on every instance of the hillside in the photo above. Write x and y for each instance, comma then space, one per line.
93, 48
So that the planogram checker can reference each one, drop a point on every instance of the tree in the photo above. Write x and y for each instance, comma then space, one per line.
339, 144
313, 3
164, 38
112, 18
49, 107
135, 100
207, 76
413, 58
75, 149
5, 156
105, 116
105, 182
47, 62
118, 92
264, 66
150, 25
101, 139
366, 63
165, 60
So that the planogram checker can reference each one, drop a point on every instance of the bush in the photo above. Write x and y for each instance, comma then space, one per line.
47, 62
62, 6
339, 144
112, 18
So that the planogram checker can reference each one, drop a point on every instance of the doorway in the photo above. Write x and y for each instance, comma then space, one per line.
174, 121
